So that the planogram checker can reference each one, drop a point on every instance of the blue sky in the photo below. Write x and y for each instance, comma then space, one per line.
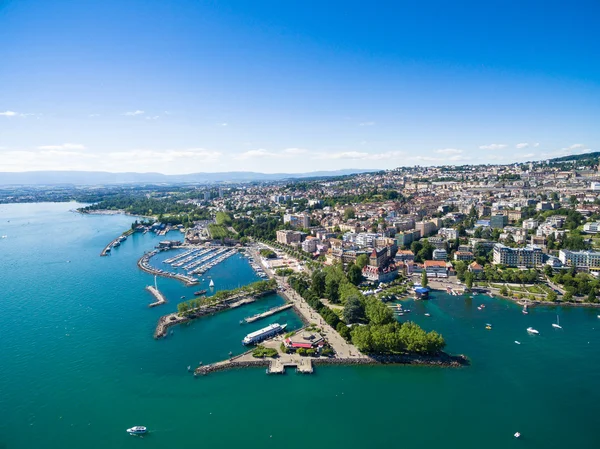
294, 86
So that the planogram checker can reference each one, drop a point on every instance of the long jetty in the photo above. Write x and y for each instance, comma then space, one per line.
269, 312
108, 247
167, 321
160, 299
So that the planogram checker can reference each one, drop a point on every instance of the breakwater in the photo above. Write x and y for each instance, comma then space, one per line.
167, 321
160, 299
144, 264
107, 249
305, 364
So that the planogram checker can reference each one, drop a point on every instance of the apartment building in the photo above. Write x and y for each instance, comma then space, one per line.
528, 257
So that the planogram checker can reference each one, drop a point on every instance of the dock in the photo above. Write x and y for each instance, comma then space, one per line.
172, 319
269, 312
107, 249
160, 299
144, 264
303, 366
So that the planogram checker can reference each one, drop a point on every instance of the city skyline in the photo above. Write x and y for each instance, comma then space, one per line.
185, 88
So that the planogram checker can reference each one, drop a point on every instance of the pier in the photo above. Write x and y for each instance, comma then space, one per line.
167, 321
144, 264
269, 312
160, 299
107, 249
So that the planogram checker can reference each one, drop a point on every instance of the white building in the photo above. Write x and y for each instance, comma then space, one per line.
440, 254
530, 223
528, 257
592, 227
580, 259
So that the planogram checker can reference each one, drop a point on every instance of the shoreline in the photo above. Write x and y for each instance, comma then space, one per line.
521, 301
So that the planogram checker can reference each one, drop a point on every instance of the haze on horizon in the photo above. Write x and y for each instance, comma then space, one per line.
188, 86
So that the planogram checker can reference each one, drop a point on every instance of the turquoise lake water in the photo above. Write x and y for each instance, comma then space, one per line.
78, 364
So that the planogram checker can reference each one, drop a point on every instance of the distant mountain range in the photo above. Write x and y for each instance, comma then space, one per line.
102, 178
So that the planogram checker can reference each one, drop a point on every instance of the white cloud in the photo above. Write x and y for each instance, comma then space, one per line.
366, 124
64, 146
294, 151
164, 156
520, 146
8, 113
152, 118
223, 124
252, 154
94, 115
136, 112
493, 146
449, 151
576, 146
358, 155
535, 145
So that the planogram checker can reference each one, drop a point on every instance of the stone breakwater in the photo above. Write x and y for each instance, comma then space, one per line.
144, 265
441, 360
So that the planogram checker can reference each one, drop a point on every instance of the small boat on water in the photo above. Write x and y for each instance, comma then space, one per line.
479, 308
488, 326
200, 292
557, 324
183, 297
525, 311
482, 306
533, 331
137, 430
211, 284
517, 342
427, 314
517, 434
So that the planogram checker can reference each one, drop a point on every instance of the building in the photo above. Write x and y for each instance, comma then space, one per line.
448, 233
440, 254
436, 268
595, 186
287, 237
437, 242
514, 215
530, 224
403, 255
580, 259
426, 228
407, 237
592, 227
366, 239
475, 268
465, 256
527, 257
297, 221
310, 244
379, 274
306, 340
498, 221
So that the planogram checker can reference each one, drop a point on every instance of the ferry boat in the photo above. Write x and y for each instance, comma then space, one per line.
533, 331
264, 333
137, 430
200, 292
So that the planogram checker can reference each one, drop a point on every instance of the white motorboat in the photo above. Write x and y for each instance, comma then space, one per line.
427, 314
137, 430
533, 331
517, 342
557, 324
517, 434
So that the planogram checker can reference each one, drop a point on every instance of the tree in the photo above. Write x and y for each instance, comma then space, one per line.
318, 283
362, 261
349, 213
353, 310
504, 290
424, 280
592, 296
469, 280
548, 271
331, 289
354, 274
568, 296
552, 296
